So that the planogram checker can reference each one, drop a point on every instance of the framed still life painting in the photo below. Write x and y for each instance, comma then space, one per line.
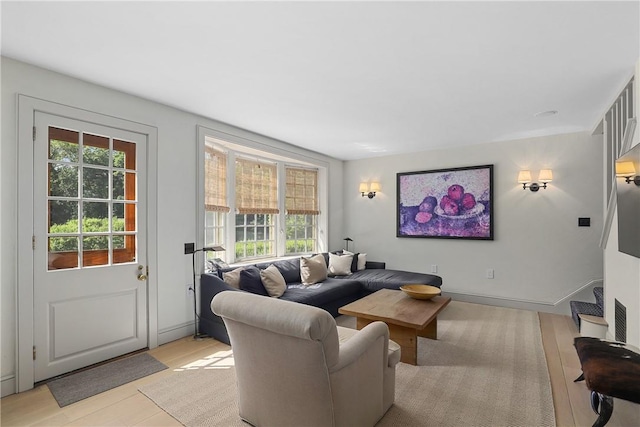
452, 203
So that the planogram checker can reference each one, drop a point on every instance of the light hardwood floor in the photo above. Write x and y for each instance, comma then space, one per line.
571, 399
125, 406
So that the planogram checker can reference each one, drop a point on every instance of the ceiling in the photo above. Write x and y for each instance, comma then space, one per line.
348, 79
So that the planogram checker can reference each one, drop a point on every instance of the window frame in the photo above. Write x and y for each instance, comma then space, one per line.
237, 145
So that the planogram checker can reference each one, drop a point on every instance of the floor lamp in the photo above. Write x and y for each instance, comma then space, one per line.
196, 334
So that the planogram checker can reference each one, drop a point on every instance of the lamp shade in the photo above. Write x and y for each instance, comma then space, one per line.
375, 187
364, 187
213, 249
545, 175
524, 177
625, 169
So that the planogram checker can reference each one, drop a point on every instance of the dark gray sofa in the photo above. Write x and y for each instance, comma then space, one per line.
330, 295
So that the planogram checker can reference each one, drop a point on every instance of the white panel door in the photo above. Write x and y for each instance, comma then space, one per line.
90, 287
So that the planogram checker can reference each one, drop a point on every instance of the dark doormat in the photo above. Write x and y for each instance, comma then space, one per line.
78, 386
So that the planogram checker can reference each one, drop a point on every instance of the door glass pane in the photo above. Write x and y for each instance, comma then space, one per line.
130, 186
123, 216
118, 185
63, 253
118, 241
130, 216
63, 180
95, 149
95, 217
117, 217
63, 145
95, 183
124, 154
124, 248
63, 216
95, 250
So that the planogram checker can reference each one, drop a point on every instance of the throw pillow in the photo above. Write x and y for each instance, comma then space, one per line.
340, 265
313, 269
233, 277
273, 281
359, 259
250, 281
362, 261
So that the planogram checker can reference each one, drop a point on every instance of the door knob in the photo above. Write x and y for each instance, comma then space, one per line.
141, 276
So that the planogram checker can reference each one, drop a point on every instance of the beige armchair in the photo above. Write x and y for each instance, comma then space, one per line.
295, 367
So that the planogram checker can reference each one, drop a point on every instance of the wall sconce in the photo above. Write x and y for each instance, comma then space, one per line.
627, 171
369, 190
524, 178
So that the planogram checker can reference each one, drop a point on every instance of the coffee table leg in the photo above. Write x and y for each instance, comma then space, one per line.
361, 322
407, 339
430, 331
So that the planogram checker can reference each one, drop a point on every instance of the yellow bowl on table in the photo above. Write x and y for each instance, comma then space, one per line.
420, 291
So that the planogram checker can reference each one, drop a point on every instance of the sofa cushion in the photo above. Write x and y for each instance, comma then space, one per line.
321, 294
340, 265
273, 281
375, 279
312, 269
251, 281
233, 277
290, 269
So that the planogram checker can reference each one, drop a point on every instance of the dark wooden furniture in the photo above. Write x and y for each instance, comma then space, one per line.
610, 369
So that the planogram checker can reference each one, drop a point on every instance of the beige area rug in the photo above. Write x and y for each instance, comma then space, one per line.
486, 369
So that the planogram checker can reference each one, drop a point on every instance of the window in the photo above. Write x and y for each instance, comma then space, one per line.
255, 236
256, 207
259, 204
215, 200
301, 201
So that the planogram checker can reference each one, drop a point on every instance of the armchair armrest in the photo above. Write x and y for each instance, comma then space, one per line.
360, 343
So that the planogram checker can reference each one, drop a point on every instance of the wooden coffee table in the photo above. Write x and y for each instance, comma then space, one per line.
407, 318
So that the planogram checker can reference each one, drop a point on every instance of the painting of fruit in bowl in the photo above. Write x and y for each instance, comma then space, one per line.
446, 203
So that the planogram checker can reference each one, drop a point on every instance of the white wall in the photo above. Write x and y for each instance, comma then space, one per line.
175, 216
539, 254
622, 271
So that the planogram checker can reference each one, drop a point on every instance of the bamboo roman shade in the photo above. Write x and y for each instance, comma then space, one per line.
302, 191
215, 178
256, 187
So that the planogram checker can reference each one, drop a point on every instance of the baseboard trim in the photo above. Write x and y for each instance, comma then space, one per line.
175, 333
557, 307
8, 385
505, 302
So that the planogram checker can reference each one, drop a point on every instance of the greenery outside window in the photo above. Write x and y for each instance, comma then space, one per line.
255, 236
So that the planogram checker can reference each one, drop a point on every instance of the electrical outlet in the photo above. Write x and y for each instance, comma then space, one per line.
189, 248
489, 273
434, 268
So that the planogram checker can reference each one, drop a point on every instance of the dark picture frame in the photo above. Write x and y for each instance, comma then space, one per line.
453, 203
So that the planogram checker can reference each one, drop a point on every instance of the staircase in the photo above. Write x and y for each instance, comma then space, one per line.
581, 307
